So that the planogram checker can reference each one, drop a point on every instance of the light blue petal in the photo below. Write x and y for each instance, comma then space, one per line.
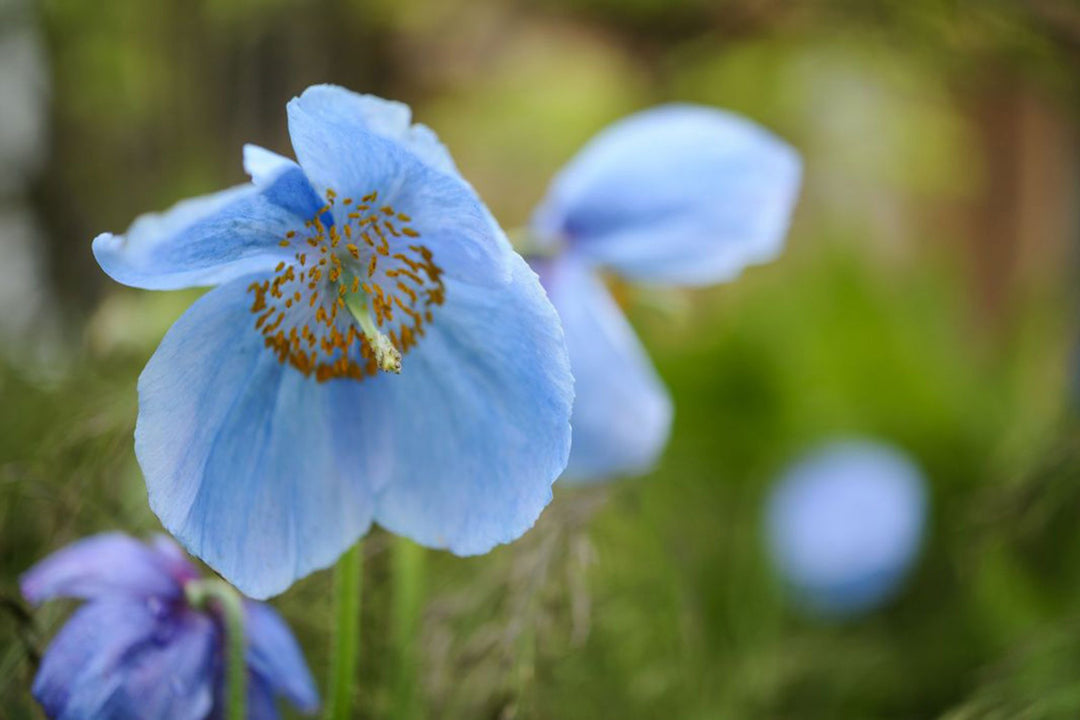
387, 118
346, 142
845, 524
678, 193
100, 566
622, 412
240, 453
264, 166
423, 141
274, 654
200, 242
282, 181
126, 660
478, 419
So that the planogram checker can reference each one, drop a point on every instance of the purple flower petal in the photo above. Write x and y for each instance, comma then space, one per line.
175, 559
275, 656
100, 566
127, 659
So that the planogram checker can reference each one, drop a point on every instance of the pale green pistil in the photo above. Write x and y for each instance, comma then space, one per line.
386, 355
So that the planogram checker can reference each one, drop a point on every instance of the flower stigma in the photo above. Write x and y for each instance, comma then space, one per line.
356, 295
387, 356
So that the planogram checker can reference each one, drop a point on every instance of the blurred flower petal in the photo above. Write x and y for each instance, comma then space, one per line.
133, 653
274, 655
123, 659
178, 563
261, 703
845, 524
622, 412
101, 565
678, 194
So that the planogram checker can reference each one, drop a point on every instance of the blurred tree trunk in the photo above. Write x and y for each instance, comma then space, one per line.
1022, 224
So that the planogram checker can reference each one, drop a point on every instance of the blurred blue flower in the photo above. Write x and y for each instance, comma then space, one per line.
138, 649
844, 525
677, 194
374, 350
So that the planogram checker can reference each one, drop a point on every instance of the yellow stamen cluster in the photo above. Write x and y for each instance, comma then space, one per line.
369, 258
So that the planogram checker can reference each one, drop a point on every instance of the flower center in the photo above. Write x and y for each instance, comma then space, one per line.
355, 298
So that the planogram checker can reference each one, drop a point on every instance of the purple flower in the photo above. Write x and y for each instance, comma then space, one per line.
139, 649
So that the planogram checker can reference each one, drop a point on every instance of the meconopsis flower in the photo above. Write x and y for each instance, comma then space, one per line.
374, 350
844, 525
679, 195
139, 649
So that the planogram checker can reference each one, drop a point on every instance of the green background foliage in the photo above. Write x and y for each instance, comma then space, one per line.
925, 299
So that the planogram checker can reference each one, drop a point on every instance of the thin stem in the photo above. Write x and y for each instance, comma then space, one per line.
200, 594
348, 584
408, 603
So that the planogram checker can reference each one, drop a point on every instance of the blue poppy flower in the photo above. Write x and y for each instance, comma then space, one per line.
138, 649
678, 194
374, 351
844, 525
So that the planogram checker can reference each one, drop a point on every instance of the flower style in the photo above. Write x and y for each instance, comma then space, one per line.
678, 194
374, 351
844, 525
139, 649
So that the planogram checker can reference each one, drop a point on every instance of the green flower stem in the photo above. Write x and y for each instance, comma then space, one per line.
348, 584
226, 600
408, 604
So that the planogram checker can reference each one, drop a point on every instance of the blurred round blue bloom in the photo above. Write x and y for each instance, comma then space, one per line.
374, 351
678, 194
844, 525
137, 650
